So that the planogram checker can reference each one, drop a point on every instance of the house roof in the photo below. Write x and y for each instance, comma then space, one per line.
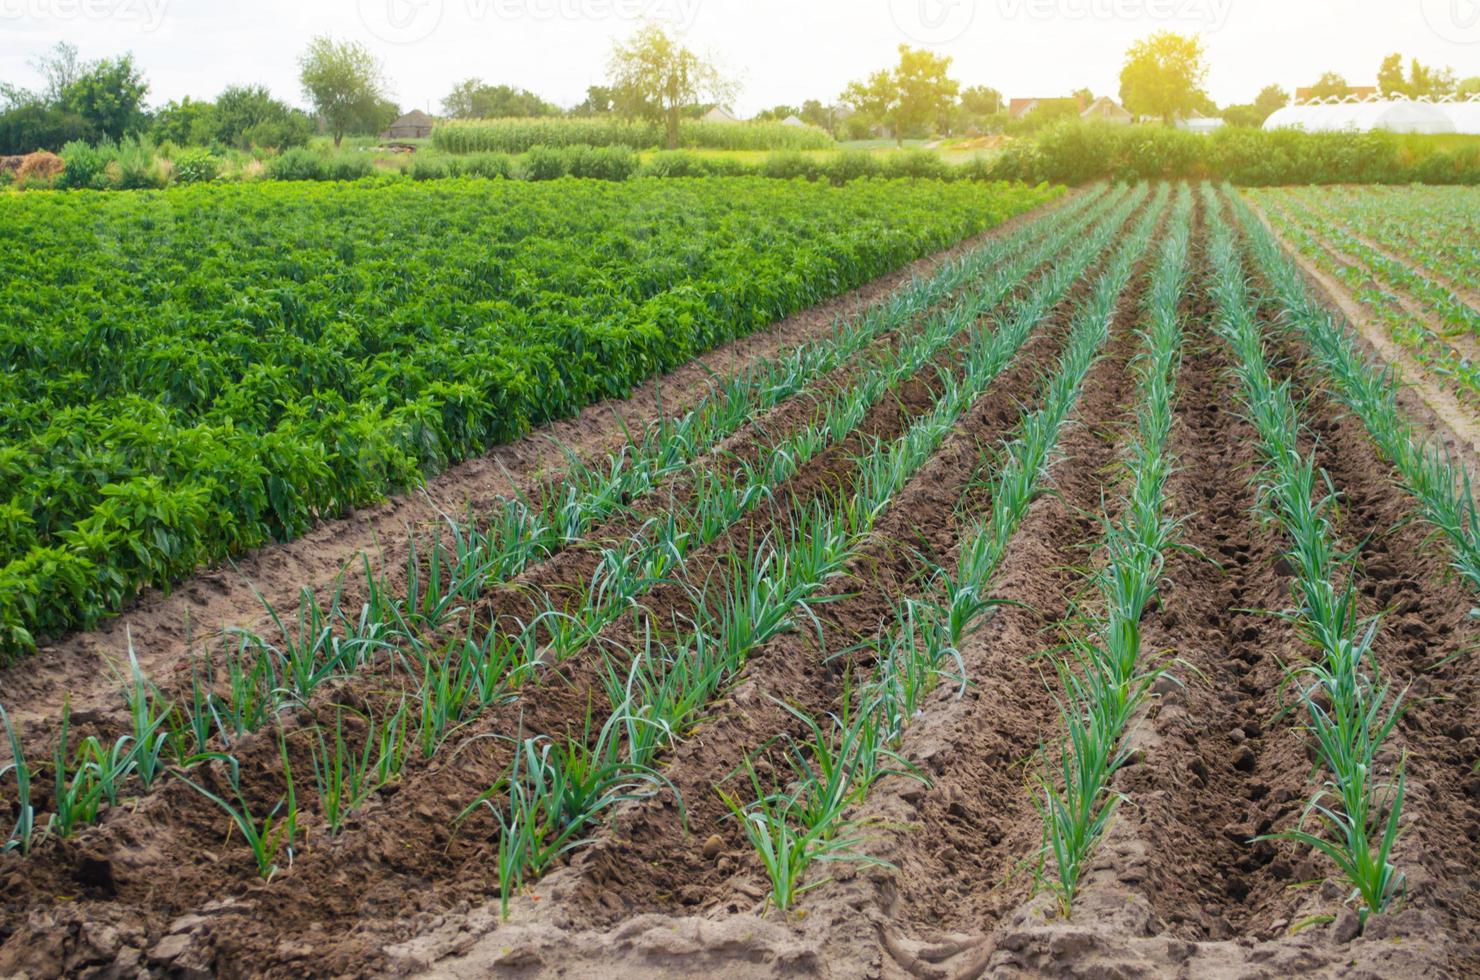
1359, 91
1103, 102
792, 121
719, 114
1017, 108
414, 118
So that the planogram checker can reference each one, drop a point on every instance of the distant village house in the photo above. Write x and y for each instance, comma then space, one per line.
415, 125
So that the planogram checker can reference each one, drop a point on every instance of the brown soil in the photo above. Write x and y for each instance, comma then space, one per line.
1177, 888
1428, 403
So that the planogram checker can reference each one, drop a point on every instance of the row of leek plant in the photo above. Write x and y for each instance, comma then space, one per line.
846, 753
557, 789
314, 652
1370, 390
1459, 319
1350, 710
251, 684
1105, 677
1434, 350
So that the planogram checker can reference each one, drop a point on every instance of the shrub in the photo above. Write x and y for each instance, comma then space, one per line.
196, 166
603, 162
791, 166
29, 128
522, 135
297, 164
84, 165
135, 166
916, 163
851, 165
425, 166
485, 165
545, 163
675, 163
347, 166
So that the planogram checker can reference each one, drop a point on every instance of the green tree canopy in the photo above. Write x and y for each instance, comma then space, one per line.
345, 83
1330, 84
913, 98
652, 74
109, 94
476, 99
1163, 77
1420, 81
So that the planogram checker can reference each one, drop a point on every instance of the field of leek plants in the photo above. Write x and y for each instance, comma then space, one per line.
1089, 602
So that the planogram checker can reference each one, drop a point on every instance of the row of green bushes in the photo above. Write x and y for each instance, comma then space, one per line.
620, 163
1070, 154
1074, 153
522, 135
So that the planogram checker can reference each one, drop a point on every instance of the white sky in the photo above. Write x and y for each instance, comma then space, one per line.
782, 51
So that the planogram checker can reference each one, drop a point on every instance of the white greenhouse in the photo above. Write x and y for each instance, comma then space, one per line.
1395, 115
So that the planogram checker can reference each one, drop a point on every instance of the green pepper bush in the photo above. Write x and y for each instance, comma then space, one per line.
195, 372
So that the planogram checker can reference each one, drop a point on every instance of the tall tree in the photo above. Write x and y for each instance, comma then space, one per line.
598, 102
926, 92
814, 113
1330, 84
873, 98
109, 94
345, 83
1468, 87
1432, 82
1163, 76
475, 99
1270, 99
59, 68
982, 101
248, 115
914, 97
1390, 80
652, 74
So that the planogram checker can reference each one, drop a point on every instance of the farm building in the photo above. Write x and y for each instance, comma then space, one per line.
1394, 115
415, 125
720, 115
1106, 109
792, 121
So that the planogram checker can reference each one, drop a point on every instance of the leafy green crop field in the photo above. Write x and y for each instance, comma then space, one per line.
197, 372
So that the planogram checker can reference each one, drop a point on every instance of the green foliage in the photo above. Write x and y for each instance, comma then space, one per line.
109, 94
520, 135
245, 116
345, 83
28, 128
1163, 76
85, 164
1076, 152
197, 387
196, 166
474, 99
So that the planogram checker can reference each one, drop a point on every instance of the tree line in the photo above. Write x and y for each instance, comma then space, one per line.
650, 75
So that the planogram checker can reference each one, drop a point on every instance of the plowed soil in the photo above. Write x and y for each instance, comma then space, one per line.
1178, 888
